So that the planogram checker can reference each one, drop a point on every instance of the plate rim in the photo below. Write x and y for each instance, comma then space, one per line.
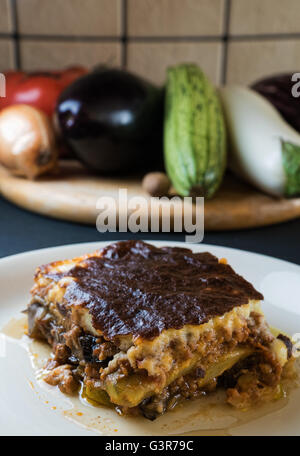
190, 245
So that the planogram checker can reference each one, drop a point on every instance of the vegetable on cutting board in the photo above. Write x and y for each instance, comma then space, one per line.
27, 141
112, 120
156, 184
39, 89
281, 90
194, 132
265, 150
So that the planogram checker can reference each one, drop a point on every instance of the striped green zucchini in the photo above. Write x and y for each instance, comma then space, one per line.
194, 132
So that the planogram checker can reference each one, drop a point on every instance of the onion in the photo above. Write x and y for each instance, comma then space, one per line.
27, 141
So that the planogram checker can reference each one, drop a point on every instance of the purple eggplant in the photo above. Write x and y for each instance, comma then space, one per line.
113, 121
278, 90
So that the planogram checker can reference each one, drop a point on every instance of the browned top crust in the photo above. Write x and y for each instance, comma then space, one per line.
138, 289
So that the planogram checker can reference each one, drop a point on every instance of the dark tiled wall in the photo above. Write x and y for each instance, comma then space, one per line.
233, 40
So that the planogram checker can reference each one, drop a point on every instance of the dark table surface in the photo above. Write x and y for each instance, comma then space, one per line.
21, 231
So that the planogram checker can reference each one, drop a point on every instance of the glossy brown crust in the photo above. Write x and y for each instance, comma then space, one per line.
138, 289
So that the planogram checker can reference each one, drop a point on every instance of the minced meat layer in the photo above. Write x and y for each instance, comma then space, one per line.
78, 356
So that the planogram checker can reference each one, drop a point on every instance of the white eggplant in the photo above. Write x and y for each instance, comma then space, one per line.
264, 149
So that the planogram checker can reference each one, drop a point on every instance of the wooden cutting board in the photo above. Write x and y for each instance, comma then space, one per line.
73, 193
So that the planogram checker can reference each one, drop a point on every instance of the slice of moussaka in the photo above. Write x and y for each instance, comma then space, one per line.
141, 328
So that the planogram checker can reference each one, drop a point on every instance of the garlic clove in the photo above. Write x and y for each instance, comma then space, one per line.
156, 184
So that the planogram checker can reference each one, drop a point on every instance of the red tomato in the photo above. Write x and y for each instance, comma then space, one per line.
38, 89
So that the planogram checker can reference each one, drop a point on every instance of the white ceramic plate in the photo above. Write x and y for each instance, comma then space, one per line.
26, 408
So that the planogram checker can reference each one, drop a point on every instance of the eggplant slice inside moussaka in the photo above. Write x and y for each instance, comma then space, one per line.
141, 328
